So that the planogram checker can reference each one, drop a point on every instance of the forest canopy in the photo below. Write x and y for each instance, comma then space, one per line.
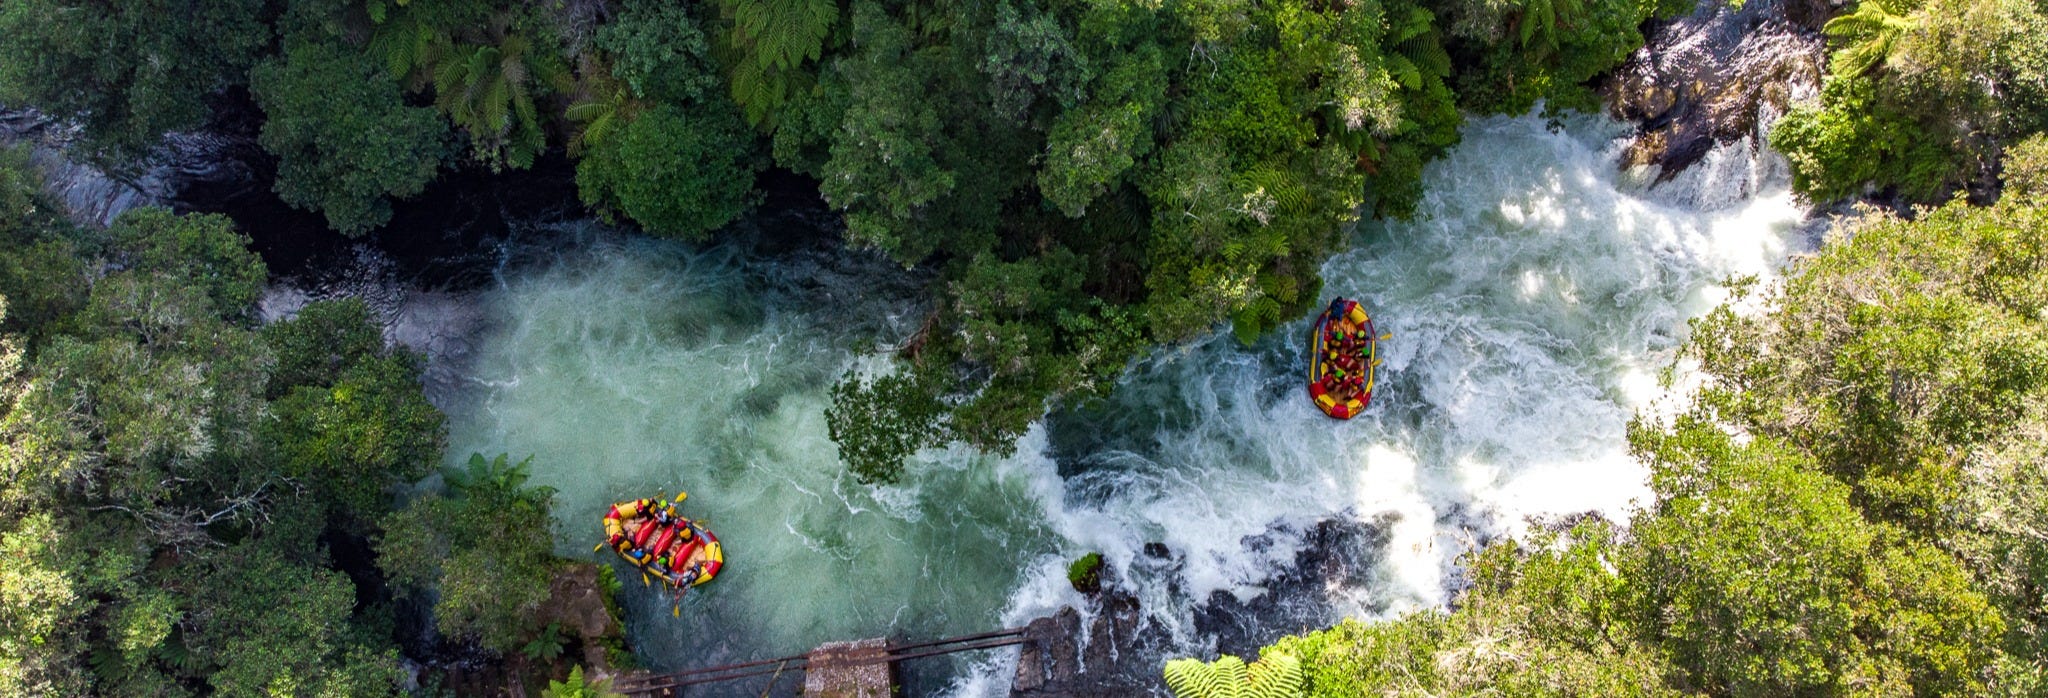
1088, 178
177, 484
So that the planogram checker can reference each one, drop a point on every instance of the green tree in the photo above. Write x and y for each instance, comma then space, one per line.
1761, 578
345, 140
485, 548
269, 619
677, 172
353, 422
129, 70
40, 262
2026, 168
488, 90
152, 544
43, 608
659, 50
772, 42
878, 423
1921, 100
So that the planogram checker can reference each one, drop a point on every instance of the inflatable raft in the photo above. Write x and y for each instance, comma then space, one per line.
1343, 360
673, 549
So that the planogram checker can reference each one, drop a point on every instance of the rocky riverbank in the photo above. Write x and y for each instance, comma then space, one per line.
1717, 76
1111, 648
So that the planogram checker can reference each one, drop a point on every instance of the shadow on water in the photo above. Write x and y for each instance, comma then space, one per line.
451, 236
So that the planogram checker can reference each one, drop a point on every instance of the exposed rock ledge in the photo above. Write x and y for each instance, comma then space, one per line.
1717, 76
1115, 650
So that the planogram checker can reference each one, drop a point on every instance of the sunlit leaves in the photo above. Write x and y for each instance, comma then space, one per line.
1094, 144
1921, 98
1868, 37
486, 549
41, 606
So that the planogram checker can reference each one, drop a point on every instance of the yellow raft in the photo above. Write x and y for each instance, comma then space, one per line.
648, 534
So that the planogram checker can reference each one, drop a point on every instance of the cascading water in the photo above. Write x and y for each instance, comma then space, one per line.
1532, 302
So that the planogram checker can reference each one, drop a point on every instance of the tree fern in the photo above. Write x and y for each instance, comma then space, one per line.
772, 39
1542, 22
488, 91
1869, 36
1274, 676
605, 103
1416, 39
1277, 676
408, 45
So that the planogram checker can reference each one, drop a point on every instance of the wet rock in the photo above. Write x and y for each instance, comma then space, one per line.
89, 196
1644, 101
577, 605
1115, 649
1719, 75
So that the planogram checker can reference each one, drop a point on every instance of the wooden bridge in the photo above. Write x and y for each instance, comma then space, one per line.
858, 669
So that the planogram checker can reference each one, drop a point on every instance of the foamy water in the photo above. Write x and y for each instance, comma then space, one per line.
1532, 301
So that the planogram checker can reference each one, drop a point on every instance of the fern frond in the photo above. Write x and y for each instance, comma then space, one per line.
1186, 677
1232, 679
1277, 675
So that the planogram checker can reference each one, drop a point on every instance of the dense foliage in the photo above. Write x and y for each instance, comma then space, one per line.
1922, 98
130, 70
1088, 179
344, 137
1852, 505
1096, 179
174, 480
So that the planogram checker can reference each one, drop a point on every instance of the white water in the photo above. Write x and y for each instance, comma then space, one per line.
1532, 303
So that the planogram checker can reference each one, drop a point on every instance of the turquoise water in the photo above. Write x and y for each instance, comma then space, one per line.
1532, 302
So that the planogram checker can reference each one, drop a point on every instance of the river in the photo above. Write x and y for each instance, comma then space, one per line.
1533, 302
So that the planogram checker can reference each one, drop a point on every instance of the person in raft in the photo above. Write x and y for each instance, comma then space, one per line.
1345, 340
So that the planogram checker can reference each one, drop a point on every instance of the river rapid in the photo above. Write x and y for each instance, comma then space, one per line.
1533, 302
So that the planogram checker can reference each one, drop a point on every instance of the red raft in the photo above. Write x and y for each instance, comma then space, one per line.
1343, 360
676, 550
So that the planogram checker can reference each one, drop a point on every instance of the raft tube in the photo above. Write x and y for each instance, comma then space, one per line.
694, 554
1319, 365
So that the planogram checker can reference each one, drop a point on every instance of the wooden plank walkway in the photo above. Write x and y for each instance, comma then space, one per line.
858, 669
